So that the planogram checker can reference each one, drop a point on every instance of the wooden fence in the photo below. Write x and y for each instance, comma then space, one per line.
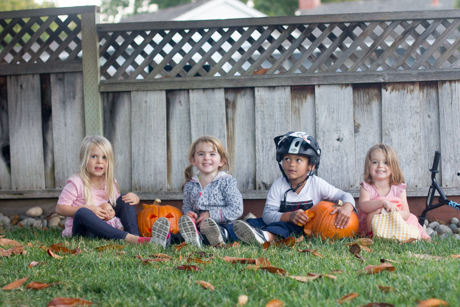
151, 88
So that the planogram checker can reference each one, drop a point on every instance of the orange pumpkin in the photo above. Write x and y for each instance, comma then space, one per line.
321, 222
147, 217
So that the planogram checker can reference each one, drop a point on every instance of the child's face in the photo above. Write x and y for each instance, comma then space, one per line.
378, 167
206, 159
296, 168
97, 163
108, 210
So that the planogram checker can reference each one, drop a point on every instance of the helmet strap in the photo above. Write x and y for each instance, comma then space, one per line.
310, 172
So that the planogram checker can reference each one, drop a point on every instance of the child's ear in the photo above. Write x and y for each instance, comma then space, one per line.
312, 166
222, 163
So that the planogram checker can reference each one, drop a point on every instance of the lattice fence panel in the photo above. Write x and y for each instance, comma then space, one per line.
403, 45
46, 39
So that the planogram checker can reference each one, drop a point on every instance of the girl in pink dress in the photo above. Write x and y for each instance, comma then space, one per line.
383, 187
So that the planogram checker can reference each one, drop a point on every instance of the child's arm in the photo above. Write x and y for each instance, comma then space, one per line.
187, 206
70, 211
405, 212
131, 198
367, 206
343, 215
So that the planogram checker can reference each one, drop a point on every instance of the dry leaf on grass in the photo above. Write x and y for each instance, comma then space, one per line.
8, 242
355, 249
432, 302
39, 285
205, 284
148, 260
238, 260
180, 246
387, 260
110, 247
274, 303
262, 262
15, 284
242, 300
15, 250
374, 269
410, 240
299, 239
386, 288
347, 298
188, 268
427, 257
50, 252
274, 270
312, 251
304, 278
65, 301
323, 275
161, 256
378, 305
34, 263
364, 241
189, 260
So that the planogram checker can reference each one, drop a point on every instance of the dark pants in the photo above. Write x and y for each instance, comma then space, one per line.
86, 223
281, 229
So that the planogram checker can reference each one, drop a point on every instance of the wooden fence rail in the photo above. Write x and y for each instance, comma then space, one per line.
350, 81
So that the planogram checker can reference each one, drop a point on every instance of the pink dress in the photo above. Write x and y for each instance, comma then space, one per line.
115, 222
73, 195
395, 192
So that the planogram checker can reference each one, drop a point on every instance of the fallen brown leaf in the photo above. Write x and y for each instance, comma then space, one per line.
347, 298
205, 285
288, 242
312, 251
15, 284
161, 256
242, 300
427, 257
387, 260
455, 256
15, 250
410, 240
148, 260
197, 261
378, 305
8, 242
14, 219
39, 285
432, 302
299, 239
304, 278
189, 268
386, 288
337, 271
65, 301
238, 260
364, 242
374, 269
34, 263
180, 246
323, 275
274, 303
365, 248
262, 262
267, 245
274, 270
50, 252
110, 247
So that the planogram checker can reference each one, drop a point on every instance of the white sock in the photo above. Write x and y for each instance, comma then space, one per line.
266, 235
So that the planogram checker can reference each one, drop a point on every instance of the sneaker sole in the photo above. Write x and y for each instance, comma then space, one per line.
245, 233
188, 231
160, 232
212, 232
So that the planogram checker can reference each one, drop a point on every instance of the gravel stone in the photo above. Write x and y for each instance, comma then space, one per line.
28, 222
453, 226
38, 224
54, 221
433, 225
454, 220
429, 231
34, 212
4, 220
441, 229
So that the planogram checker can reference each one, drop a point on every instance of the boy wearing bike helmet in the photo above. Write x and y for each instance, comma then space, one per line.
298, 156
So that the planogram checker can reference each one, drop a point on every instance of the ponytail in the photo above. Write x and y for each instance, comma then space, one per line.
188, 174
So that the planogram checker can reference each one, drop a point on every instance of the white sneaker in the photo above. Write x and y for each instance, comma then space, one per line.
160, 232
187, 229
213, 232
247, 233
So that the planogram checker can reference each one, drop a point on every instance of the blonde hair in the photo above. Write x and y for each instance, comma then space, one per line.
85, 151
216, 144
396, 176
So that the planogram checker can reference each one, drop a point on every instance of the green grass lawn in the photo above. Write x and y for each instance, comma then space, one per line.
111, 278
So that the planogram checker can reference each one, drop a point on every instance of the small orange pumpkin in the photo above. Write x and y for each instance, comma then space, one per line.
147, 217
322, 222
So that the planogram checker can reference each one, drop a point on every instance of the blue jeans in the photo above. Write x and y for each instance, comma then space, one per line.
281, 229
86, 223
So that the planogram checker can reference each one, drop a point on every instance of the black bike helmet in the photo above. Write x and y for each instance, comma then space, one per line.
298, 143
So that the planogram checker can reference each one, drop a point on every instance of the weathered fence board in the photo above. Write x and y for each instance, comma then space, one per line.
179, 137
68, 124
26, 137
303, 114
334, 131
449, 129
207, 114
367, 111
241, 136
5, 170
273, 118
47, 125
401, 127
117, 129
148, 141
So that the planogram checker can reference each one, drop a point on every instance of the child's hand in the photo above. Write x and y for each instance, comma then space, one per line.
343, 215
298, 217
202, 217
192, 215
98, 211
389, 206
130, 198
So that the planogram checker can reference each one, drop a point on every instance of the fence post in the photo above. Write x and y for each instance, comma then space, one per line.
91, 73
